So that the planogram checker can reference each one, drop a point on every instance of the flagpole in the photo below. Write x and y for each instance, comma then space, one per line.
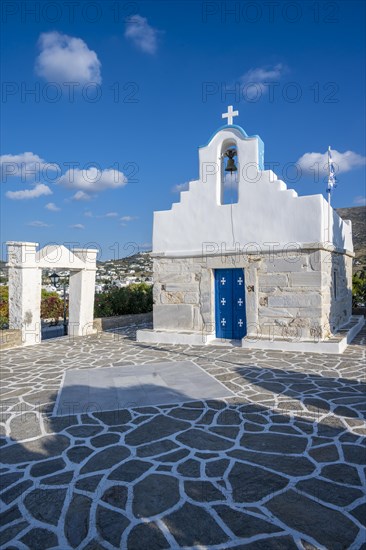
328, 190
329, 216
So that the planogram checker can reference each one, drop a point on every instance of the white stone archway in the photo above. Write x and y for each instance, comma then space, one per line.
25, 280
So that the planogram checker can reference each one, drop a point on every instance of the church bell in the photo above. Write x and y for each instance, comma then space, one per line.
230, 166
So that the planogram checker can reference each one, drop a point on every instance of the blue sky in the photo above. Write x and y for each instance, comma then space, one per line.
146, 83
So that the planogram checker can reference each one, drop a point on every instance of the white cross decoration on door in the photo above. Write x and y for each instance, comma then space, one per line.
240, 281
223, 281
223, 301
223, 322
240, 302
240, 323
230, 114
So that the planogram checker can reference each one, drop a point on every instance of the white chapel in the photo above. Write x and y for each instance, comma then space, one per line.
243, 260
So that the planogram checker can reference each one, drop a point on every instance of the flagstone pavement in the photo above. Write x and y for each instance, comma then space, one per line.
279, 466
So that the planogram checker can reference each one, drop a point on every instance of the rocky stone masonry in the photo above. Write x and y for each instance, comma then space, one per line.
10, 338
280, 466
118, 321
288, 295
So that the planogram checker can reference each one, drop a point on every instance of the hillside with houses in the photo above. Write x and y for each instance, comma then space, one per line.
125, 271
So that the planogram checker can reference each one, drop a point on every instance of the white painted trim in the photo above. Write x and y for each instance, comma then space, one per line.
324, 346
352, 333
171, 337
196, 339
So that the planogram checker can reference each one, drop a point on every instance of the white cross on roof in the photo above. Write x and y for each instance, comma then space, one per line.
230, 114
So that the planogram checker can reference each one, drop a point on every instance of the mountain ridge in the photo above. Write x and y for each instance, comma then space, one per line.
357, 215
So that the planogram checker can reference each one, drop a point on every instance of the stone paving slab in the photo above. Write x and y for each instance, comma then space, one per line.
137, 386
279, 466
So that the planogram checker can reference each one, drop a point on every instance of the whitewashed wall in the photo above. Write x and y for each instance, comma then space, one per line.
267, 212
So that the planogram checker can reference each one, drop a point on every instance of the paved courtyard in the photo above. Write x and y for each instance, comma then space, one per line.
279, 466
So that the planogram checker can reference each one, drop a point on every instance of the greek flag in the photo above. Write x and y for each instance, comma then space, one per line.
331, 172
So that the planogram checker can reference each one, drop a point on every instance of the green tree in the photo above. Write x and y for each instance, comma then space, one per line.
135, 298
359, 288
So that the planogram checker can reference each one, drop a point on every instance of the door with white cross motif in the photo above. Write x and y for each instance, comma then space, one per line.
230, 304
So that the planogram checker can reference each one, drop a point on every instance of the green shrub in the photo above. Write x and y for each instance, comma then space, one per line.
102, 305
359, 288
4, 307
52, 306
136, 298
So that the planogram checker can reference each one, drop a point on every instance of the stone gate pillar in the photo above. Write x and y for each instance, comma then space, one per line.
25, 279
81, 294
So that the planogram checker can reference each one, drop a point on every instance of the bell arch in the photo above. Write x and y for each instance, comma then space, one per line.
228, 192
25, 265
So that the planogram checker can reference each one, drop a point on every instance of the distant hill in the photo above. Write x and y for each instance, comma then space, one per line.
357, 215
139, 258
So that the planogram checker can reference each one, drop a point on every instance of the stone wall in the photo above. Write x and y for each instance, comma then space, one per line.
287, 296
291, 296
182, 294
10, 338
184, 297
106, 323
339, 296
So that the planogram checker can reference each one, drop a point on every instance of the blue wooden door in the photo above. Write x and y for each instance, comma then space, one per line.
230, 304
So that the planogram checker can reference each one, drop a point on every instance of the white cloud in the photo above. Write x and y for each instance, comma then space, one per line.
25, 165
144, 37
88, 214
108, 215
181, 187
343, 162
264, 74
128, 218
256, 80
360, 200
52, 207
38, 223
77, 226
92, 179
81, 196
65, 58
39, 190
